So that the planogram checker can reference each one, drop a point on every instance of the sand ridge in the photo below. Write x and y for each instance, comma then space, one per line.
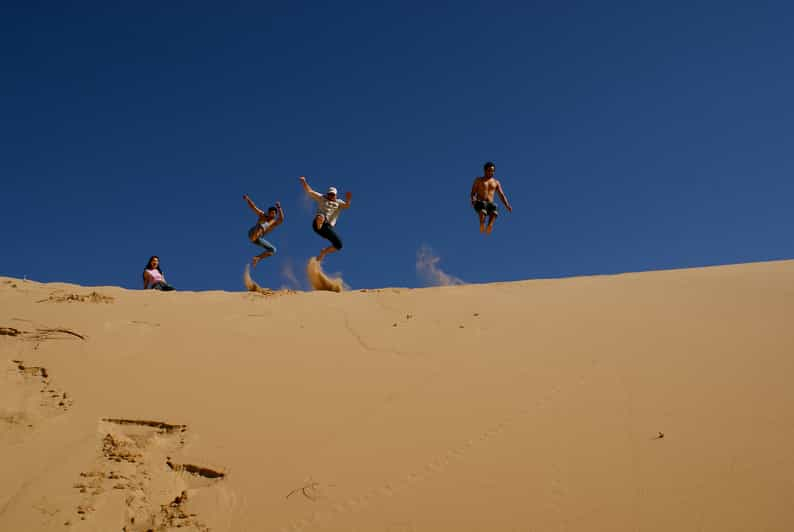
652, 401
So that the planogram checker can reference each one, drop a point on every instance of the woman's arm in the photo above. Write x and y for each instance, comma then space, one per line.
279, 218
254, 208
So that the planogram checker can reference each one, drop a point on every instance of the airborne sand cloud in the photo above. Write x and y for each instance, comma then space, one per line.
322, 281
428, 270
251, 285
289, 277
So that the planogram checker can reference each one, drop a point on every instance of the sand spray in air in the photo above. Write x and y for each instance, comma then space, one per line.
320, 280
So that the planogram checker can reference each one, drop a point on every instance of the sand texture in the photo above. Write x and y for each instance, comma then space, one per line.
658, 401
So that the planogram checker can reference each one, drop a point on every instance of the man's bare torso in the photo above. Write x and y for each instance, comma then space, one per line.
484, 188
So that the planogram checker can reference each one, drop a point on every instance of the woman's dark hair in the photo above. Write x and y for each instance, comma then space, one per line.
272, 209
488, 165
149, 266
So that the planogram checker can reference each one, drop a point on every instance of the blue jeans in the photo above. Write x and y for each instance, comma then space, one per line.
261, 242
265, 244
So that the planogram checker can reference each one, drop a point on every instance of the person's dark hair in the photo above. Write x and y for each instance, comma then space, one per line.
149, 266
272, 209
488, 165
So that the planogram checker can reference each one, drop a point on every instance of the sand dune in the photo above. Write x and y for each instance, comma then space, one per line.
655, 401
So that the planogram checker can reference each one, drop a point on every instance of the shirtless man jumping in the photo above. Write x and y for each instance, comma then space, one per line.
482, 192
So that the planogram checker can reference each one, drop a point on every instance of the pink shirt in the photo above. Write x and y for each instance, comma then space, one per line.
155, 276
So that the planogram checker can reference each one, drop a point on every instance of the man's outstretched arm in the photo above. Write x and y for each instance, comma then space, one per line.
503, 197
254, 208
313, 193
346, 204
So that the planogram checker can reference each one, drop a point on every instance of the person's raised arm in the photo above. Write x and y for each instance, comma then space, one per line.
313, 193
346, 204
503, 197
254, 208
280, 216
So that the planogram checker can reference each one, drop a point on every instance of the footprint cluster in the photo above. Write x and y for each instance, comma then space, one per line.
135, 463
93, 297
52, 397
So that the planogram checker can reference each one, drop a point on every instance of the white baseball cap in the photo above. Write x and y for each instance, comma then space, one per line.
331, 190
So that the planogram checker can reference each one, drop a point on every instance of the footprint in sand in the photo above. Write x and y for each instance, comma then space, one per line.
28, 398
42, 334
9, 331
356, 502
93, 297
146, 323
136, 481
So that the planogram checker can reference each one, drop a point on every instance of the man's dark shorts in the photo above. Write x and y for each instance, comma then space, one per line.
327, 232
486, 207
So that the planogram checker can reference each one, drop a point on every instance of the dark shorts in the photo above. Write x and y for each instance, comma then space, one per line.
486, 207
327, 232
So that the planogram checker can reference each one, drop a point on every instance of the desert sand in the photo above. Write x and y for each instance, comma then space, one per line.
657, 401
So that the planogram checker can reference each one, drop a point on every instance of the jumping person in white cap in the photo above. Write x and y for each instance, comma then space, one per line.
328, 209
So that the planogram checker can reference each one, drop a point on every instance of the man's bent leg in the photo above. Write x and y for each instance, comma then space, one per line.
324, 252
329, 234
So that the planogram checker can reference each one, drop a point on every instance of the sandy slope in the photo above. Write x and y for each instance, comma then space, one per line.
523, 406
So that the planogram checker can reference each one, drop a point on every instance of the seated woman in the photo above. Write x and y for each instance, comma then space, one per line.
153, 276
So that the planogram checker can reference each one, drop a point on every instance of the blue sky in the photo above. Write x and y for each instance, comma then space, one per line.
628, 137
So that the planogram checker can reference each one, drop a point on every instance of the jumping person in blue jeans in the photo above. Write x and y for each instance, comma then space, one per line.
328, 209
266, 222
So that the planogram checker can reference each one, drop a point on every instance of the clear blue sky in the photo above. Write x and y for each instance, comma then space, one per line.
629, 136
